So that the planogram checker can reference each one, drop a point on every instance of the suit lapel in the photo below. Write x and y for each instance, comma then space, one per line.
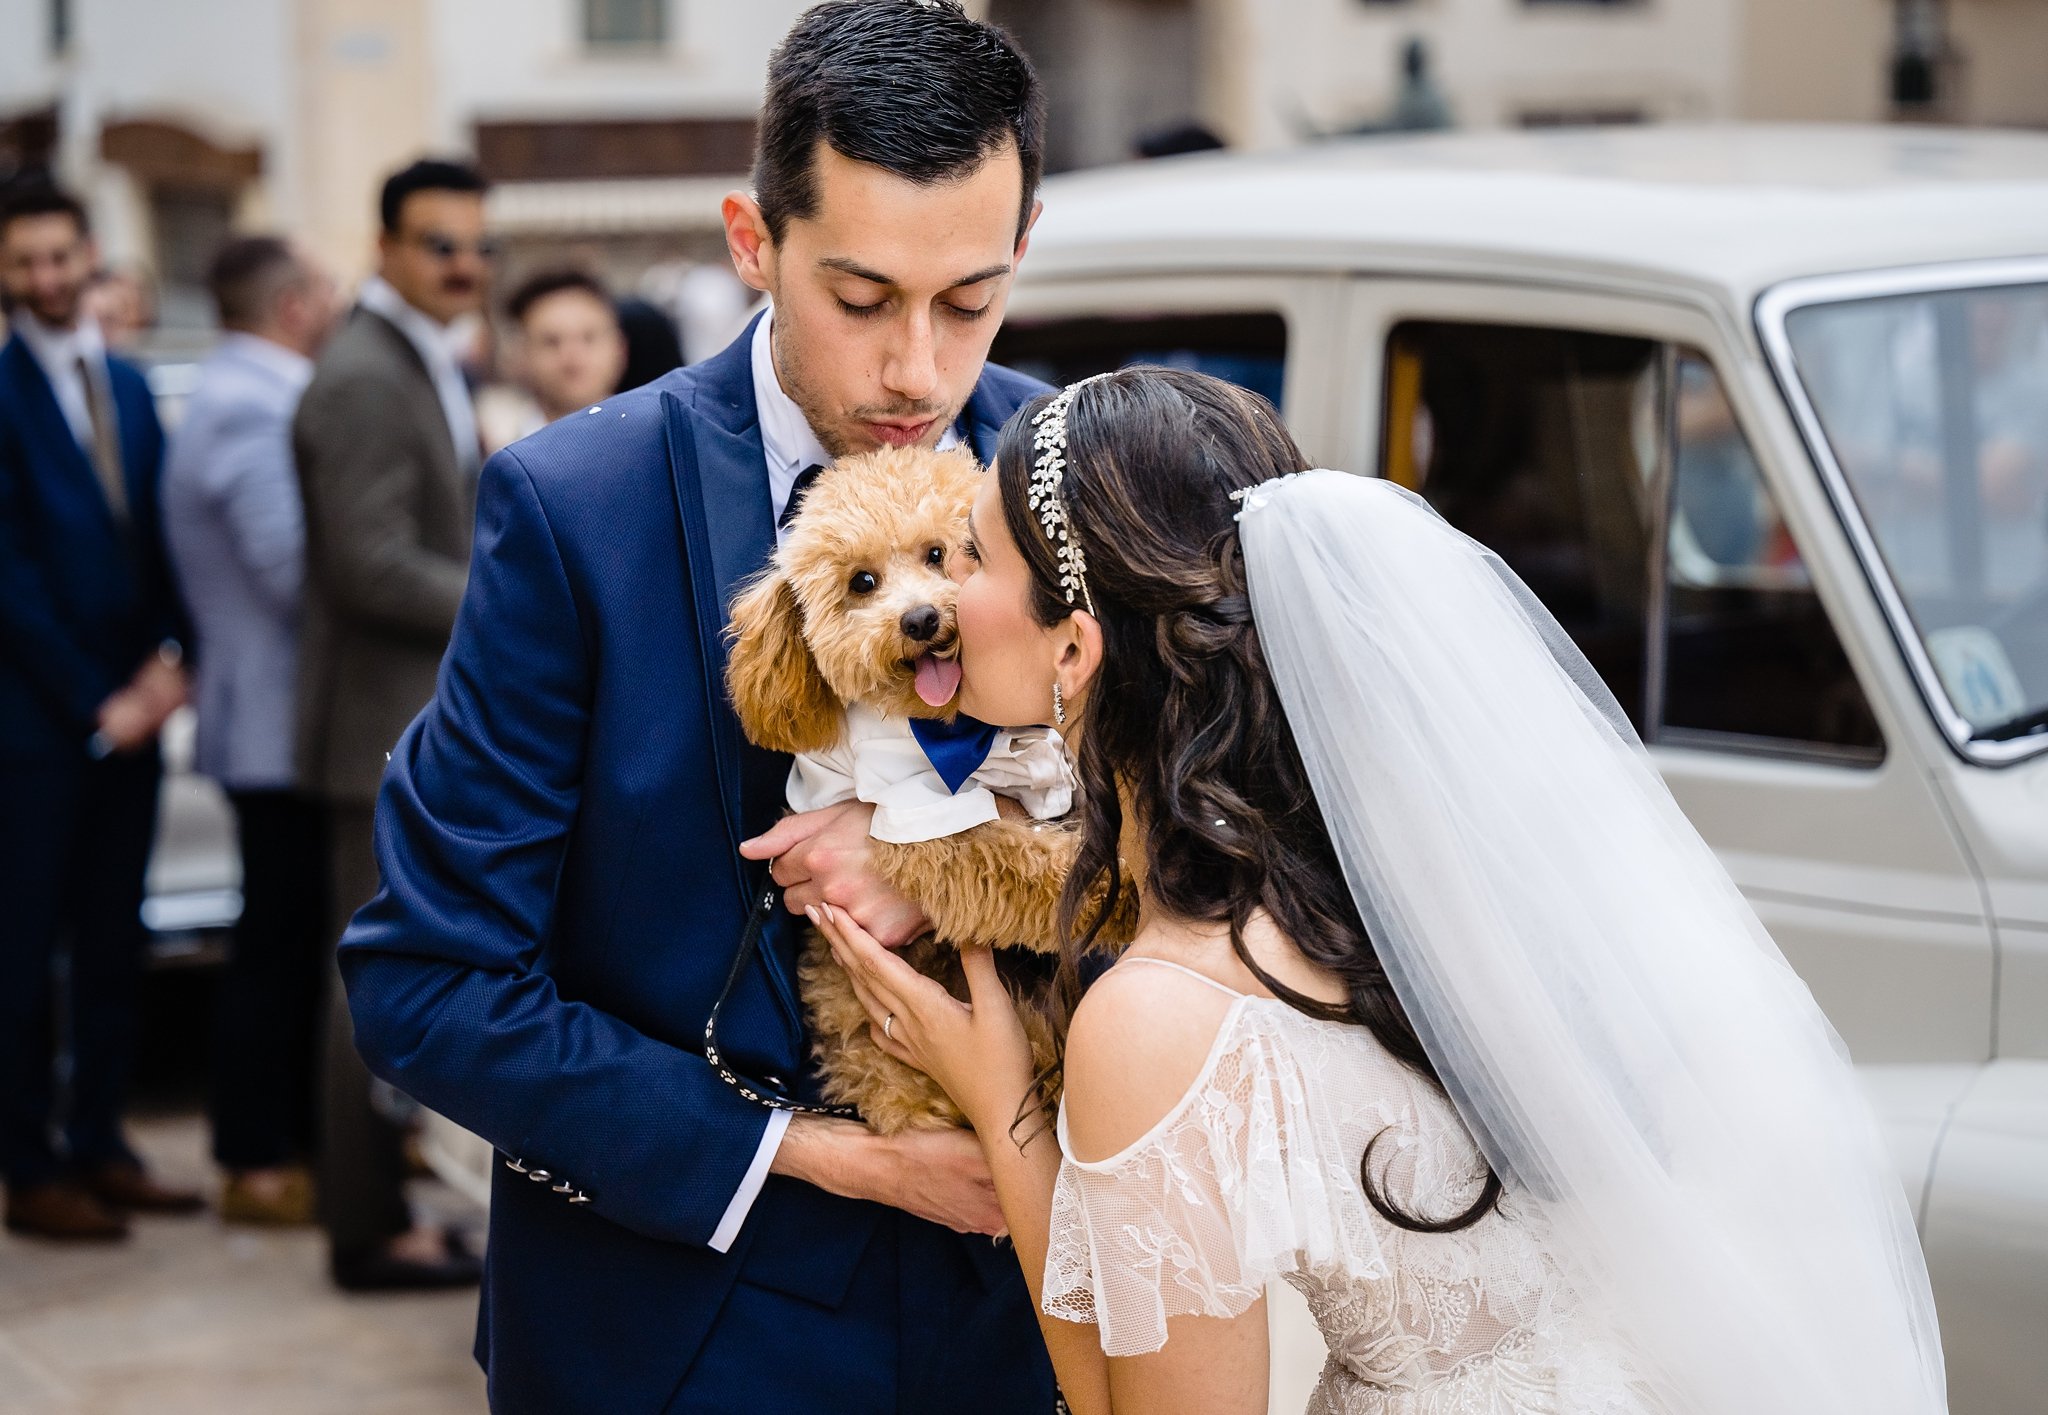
50, 431
981, 421
131, 419
426, 397
720, 473
721, 485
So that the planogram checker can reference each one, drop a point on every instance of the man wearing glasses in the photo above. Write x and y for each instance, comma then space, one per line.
386, 444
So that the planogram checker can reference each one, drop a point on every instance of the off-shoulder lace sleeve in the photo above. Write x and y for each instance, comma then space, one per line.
1243, 1181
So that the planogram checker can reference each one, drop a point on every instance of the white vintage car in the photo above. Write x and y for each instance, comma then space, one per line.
1762, 415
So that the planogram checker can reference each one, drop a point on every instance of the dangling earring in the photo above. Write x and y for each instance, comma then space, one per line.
1059, 705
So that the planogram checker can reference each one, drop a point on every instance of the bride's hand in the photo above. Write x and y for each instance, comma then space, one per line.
976, 1050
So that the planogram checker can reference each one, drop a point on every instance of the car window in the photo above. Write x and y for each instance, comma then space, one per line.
1532, 442
1550, 446
1936, 408
1248, 349
1749, 650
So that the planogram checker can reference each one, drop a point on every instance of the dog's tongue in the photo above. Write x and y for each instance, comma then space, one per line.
937, 679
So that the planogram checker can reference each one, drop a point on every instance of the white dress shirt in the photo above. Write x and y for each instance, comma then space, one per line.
789, 445
58, 351
440, 348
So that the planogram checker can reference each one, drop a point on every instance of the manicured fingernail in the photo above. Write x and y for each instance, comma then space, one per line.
811, 912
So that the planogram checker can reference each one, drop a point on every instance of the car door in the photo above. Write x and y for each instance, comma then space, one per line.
1629, 459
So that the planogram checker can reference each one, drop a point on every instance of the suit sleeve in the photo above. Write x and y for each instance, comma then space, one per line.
42, 650
442, 967
370, 561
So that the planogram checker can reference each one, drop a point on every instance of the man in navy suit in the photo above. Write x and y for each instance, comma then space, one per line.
559, 833
90, 644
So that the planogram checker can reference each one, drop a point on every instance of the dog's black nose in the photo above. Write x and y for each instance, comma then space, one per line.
921, 623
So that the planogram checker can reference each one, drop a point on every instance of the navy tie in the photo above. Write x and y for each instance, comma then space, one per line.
797, 489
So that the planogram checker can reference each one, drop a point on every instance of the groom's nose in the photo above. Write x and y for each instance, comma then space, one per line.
911, 372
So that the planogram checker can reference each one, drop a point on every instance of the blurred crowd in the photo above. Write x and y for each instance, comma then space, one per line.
289, 560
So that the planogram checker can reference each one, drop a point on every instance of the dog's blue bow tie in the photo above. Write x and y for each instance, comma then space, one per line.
955, 749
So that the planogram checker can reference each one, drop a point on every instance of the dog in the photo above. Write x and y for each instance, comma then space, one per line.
845, 654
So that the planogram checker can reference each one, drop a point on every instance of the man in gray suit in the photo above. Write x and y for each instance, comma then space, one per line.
387, 449
237, 540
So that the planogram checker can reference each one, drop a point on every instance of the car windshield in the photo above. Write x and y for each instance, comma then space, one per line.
1935, 406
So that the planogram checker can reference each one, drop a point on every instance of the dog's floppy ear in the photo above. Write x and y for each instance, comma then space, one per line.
783, 701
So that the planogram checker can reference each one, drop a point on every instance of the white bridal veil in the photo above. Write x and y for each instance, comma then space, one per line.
1615, 1026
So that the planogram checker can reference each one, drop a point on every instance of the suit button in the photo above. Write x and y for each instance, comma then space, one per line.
540, 1176
515, 1166
564, 1188
579, 1197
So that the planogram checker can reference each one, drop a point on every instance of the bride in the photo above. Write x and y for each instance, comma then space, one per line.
1438, 1010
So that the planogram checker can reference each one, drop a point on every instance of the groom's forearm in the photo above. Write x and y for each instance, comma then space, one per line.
937, 1175
832, 1154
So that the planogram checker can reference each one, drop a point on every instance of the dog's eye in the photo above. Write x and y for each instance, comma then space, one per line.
935, 556
863, 582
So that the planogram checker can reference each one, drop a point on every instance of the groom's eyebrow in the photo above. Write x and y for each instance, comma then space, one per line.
847, 266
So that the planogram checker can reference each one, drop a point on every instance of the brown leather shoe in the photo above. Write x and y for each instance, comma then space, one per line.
280, 1198
64, 1211
129, 1187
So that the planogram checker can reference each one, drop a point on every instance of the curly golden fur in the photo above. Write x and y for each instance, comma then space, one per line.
824, 626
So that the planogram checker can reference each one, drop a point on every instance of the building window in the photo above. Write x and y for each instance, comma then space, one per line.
611, 24
1610, 473
1588, 116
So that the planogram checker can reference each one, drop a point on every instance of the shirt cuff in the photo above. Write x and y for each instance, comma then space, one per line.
750, 1185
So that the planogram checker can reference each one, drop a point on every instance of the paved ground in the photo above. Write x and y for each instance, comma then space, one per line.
193, 1318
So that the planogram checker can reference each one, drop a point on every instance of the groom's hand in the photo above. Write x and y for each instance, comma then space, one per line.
827, 857
939, 1175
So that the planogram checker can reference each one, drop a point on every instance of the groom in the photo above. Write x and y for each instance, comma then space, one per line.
559, 832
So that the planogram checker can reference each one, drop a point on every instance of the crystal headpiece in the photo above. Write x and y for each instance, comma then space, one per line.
1048, 470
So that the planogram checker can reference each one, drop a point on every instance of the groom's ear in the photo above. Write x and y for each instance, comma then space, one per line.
748, 241
783, 701
1024, 237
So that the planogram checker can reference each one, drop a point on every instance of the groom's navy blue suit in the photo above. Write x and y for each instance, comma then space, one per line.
562, 897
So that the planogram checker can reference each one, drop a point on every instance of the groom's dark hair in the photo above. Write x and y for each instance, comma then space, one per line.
913, 86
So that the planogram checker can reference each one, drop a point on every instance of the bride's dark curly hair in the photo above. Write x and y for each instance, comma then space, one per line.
1184, 727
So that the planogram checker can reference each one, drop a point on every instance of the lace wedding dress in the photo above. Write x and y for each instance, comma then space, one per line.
1255, 1175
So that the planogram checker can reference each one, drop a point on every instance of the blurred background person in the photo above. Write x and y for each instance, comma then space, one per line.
572, 352
237, 537
653, 347
387, 450
1419, 105
90, 649
123, 303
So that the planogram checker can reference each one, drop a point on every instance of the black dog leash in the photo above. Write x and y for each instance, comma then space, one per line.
766, 902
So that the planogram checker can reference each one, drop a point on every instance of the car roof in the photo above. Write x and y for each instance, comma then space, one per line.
1726, 209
